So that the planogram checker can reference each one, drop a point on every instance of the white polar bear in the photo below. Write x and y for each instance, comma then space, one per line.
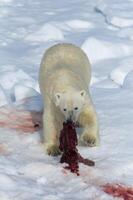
64, 79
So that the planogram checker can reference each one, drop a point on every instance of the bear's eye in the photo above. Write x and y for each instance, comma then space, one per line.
76, 108
64, 109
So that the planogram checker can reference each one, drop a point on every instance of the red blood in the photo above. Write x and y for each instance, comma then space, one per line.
68, 143
117, 190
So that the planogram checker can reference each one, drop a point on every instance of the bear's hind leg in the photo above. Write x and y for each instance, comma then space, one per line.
89, 123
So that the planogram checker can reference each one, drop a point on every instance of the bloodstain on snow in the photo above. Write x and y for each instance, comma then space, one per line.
118, 190
20, 120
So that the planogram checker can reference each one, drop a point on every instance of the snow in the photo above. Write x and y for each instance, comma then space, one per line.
3, 98
128, 82
119, 74
10, 77
22, 92
98, 49
47, 33
121, 22
5, 1
78, 24
104, 30
6, 183
115, 14
36, 170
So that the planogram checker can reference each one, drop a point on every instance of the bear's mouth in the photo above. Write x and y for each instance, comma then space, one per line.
75, 122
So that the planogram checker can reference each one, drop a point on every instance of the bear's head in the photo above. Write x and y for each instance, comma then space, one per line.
70, 103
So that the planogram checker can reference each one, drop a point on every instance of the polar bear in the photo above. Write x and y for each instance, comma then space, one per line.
64, 79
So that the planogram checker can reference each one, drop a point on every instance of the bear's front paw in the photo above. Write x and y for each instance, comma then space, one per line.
52, 149
88, 140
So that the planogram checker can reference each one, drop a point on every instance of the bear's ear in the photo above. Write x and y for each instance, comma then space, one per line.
57, 98
83, 93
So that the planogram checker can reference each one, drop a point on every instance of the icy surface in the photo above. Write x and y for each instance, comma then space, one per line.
128, 82
47, 33
3, 98
104, 30
99, 49
116, 13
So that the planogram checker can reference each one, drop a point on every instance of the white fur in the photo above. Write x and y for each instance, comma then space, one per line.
64, 80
